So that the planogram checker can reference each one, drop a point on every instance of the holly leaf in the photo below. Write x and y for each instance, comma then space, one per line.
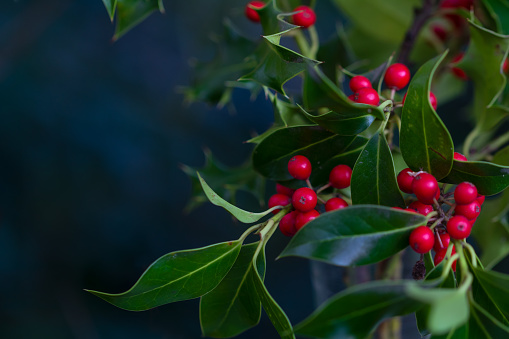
499, 12
278, 65
177, 276
502, 157
341, 124
495, 115
132, 12
490, 290
110, 5
425, 142
233, 306
489, 178
357, 235
483, 325
272, 19
358, 310
317, 144
373, 177
335, 52
225, 181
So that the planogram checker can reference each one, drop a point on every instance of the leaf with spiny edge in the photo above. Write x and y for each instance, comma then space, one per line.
110, 5
132, 12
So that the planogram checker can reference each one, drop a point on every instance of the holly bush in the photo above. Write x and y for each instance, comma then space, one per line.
363, 165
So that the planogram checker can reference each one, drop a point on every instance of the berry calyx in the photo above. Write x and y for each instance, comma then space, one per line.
465, 193
251, 14
421, 208
397, 76
444, 241
405, 180
469, 211
287, 224
425, 188
303, 218
359, 82
459, 157
440, 255
305, 18
459, 227
421, 239
278, 200
335, 204
299, 167
340, 176
284, 190
304, 199
367, 96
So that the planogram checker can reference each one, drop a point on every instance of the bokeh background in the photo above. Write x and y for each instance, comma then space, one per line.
91, 138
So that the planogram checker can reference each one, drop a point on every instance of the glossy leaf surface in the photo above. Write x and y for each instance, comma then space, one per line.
342, 124
355, 312
499, 11
177, 276
425, 142
110, 5
496, 287
489, 178
483, 325
233, 306
132, 12
240, 214
357, 235
502, 157
374, 178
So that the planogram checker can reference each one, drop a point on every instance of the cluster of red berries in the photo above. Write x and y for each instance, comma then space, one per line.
304, 200
305, 16
363, 92
456, 222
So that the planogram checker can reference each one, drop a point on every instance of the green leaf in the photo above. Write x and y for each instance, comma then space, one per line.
272, 19
225, 181
356, 312
335, 52
499, 11
502, 157
357, 235
494, 117
319, 91
278, 65
271, 156
489, 178
240, 214
457, 333
483, 325
287, 114
110, 5
425, 141
342, 124
177, 276
132, 12
373, 177
233, 306
496, 287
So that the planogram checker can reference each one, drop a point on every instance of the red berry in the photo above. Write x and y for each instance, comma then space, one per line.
459, 157
425, 188
335, 204
299, 167
304, 217
405, 180
459, 227
305, 18
439, 31
251, 14
397, 76
421, 208
440, 255
284, 190
304, 199
340, 176
480, 199
287, 224
465, 193
397, 208
421, 239
445, 239
458, 71
472, 222
469, 211
278, 200
367, 96
456, 4
410, 209
352, 97
505, 66
359, 82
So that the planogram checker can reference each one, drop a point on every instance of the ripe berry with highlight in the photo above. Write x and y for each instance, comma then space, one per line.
304, 199
335, 204
465, 193
304, 217
287, 224
340, 176
299, 167
425, 188
359, 82
397, 76
405, 180
251, 14
367, 96
278, 200
421, 239
469, 211
305, 18
459, 227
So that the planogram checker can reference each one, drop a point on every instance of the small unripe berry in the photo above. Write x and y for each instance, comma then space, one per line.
469, 211
405, 180
359, 82
459, 157
425, 188
465, 193
251, 14
459, 227
421, 208
287, 224
299, 167
421, 239
397, 76
335, 204
304, 217
367, 96
305, 18
340, 176
304, 199
278, 200
284, 190
444, 241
